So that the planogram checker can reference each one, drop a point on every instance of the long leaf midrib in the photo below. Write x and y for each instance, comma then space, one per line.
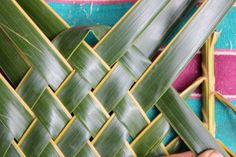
17, 34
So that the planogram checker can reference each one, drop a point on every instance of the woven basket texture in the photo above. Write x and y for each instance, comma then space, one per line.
70, 98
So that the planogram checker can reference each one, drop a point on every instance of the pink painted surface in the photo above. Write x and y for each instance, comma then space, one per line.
225, 73
189, 74
92, 1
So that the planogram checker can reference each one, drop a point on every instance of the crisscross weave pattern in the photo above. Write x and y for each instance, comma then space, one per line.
73, 99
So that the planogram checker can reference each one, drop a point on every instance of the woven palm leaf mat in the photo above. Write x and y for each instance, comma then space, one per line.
60, 96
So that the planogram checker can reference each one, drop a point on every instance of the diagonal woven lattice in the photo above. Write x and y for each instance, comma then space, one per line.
67, 98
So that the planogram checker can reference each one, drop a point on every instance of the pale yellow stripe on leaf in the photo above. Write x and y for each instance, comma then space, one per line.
58, 150
59, 102
65, 81
105, 79
165, 49
64, 130
139, 107
18, 149
145, 130
93, 148
24, 78
99, 105
42, 35
103, 129
17, 96
27, 132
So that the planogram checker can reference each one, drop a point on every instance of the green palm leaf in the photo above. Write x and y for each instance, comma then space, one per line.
69, 90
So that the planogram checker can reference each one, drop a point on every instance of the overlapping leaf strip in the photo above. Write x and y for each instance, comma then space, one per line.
74, 100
